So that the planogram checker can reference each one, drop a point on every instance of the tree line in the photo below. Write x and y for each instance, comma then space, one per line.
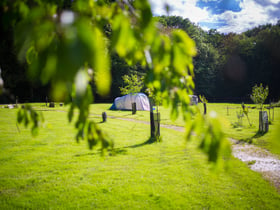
226, 66
229, 65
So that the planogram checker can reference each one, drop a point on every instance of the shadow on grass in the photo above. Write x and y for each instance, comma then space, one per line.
259, 134
87, 154
256, 136
116, 151
119, 151
149, 141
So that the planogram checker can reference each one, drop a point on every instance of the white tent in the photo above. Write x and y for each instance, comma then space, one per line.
124, 102
194, 99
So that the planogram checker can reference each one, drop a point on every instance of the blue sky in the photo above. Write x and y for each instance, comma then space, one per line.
224, 15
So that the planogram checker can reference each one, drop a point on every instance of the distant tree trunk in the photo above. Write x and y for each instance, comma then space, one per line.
205, 108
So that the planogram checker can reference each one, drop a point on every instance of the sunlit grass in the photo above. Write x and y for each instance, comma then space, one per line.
247, 132
53, 171
227, 114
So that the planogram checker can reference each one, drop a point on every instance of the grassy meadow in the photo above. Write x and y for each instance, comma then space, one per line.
227, 114
53, 171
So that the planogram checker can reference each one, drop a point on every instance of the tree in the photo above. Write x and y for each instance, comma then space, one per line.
204, 101
134, 84
259, 95
206, 62
119, 68
61, 45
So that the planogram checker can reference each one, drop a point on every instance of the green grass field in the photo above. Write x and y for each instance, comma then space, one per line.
228, 118
247, 133
53, 171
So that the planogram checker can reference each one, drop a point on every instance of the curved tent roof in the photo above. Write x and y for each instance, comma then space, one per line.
124, 102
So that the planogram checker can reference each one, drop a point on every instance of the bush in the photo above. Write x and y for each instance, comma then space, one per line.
276, 104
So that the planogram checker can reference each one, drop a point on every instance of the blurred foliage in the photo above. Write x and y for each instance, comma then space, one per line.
62, 41
227, 65
208, 130
29, 117
154, 99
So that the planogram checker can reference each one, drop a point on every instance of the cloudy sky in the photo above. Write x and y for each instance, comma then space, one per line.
224, 15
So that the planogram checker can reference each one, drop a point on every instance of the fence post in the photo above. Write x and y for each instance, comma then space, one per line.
134, 108
154, 121
16, 101
52, 104
273, 114
263, 122
104, 117
152, 124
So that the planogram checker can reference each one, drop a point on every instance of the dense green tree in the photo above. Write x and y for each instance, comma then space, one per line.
207, 60
119, 69
133, 84
226, 66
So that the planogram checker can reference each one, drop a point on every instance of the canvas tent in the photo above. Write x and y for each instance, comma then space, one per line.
194, 99
124, 102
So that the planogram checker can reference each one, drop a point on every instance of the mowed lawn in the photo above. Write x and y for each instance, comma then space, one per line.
227, 114
53, 171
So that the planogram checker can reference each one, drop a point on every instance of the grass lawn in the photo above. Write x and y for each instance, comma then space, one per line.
247, 133
52, 171
228, 117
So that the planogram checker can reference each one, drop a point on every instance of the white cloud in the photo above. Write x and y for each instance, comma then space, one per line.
185, 9
275, 1
253, 13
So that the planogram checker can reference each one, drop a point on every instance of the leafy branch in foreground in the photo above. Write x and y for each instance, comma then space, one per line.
28, 116
59, 45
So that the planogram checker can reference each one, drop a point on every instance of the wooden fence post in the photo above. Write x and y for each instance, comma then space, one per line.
134, 108
104, 117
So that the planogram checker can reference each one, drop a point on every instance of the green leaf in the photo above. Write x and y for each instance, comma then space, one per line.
101, 64
144, 9
123, 40
19, 115
81, 82
31, 55
71, 113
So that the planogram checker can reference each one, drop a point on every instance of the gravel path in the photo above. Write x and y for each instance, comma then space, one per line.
259, 160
